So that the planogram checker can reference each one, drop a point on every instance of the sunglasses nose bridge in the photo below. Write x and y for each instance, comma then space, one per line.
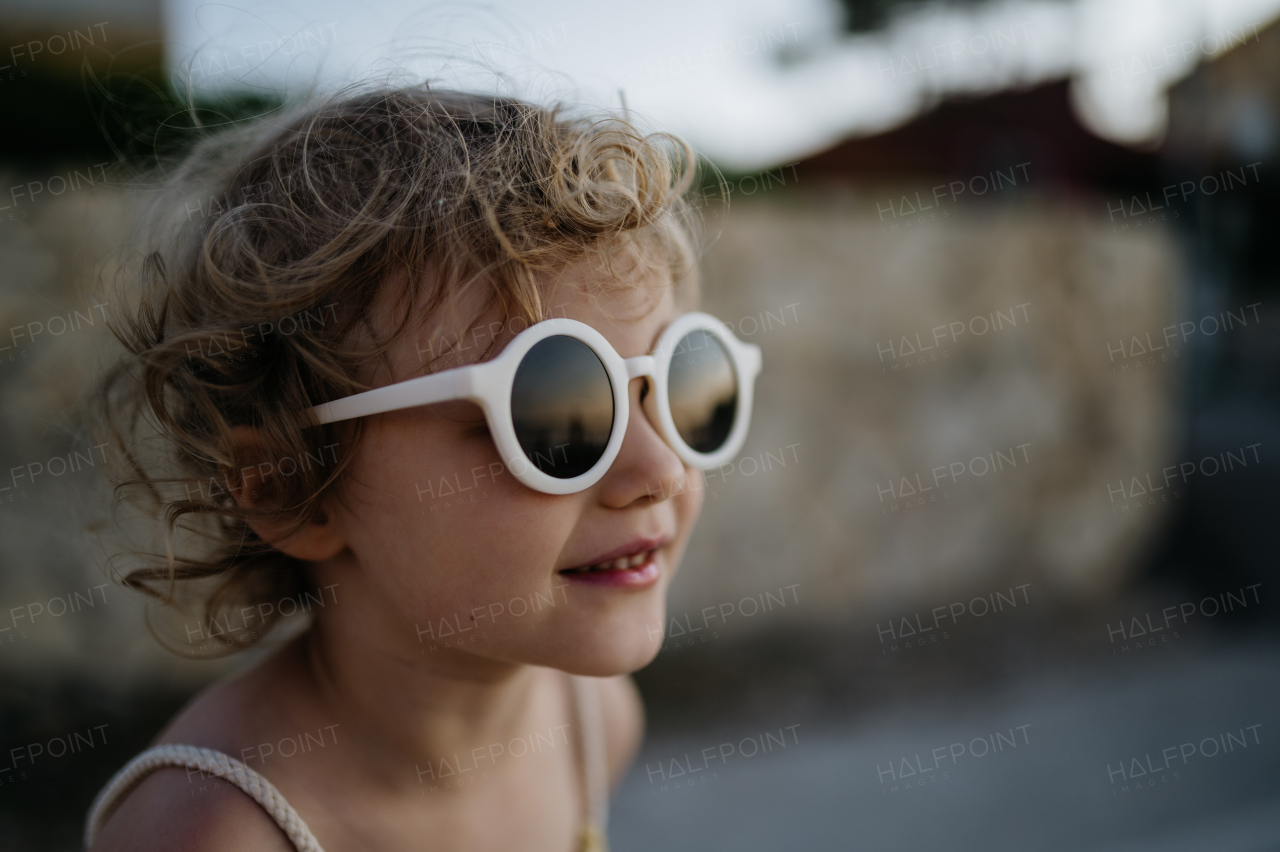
643, 366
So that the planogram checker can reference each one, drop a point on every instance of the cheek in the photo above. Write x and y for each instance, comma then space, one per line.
438, 525
688, 505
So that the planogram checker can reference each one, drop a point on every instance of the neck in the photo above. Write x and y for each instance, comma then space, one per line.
408, 706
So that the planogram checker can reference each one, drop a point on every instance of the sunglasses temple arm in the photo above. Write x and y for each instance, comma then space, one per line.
425, 390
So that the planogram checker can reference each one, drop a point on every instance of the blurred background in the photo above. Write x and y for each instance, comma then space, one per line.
1013, 268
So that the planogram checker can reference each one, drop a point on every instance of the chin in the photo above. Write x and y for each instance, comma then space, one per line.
619, 645
609, 664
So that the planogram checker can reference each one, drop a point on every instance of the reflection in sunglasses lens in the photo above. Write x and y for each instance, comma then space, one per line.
703, 391
562, 407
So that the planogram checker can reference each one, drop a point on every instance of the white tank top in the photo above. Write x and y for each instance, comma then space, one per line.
591, 749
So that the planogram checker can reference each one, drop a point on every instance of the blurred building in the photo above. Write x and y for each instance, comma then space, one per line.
1224, 133
972, 136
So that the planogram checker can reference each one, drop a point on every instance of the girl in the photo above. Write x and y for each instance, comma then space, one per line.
417, 362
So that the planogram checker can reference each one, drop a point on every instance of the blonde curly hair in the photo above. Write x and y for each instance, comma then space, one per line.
260, 307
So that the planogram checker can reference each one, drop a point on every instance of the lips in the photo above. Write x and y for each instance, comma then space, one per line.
622, 563
632, 565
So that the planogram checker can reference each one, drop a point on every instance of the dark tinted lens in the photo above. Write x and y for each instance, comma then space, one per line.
562, 407
703, 391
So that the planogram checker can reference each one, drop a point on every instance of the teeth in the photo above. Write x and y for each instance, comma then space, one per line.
622, 563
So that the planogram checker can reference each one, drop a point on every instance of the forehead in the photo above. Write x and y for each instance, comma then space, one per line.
626, 298
623, 298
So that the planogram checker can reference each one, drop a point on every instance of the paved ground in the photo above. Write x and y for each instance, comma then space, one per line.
830, 787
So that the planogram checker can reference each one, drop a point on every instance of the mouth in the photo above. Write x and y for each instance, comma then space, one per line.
633, 566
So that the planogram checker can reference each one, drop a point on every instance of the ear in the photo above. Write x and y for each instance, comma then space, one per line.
316, 540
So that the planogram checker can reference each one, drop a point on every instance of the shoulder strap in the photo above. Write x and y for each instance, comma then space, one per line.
210, 762
591, 746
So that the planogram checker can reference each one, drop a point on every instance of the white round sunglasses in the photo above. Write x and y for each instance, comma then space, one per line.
557, 404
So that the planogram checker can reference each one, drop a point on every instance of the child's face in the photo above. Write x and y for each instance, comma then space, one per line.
453, 556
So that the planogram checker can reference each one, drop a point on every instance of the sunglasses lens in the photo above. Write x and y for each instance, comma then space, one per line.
562, 407
703, 391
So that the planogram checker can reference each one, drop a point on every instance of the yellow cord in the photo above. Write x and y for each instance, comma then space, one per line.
592, 839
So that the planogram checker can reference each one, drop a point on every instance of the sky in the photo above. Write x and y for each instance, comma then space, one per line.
750, 83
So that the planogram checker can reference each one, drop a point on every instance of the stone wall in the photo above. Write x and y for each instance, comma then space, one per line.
986, 343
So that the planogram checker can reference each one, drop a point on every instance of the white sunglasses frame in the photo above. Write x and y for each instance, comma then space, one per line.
489, 384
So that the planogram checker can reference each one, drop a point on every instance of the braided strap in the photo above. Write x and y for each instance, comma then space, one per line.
590, 713
210, 762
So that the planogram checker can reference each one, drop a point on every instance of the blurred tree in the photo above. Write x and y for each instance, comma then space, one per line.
99, 104
865, 15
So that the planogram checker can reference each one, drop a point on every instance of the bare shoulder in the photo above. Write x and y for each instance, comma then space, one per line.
181, 809
623, 722
175, 810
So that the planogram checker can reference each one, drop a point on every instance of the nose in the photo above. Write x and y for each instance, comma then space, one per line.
646, 469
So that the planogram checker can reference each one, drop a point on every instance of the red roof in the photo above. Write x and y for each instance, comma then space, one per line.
970, 136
